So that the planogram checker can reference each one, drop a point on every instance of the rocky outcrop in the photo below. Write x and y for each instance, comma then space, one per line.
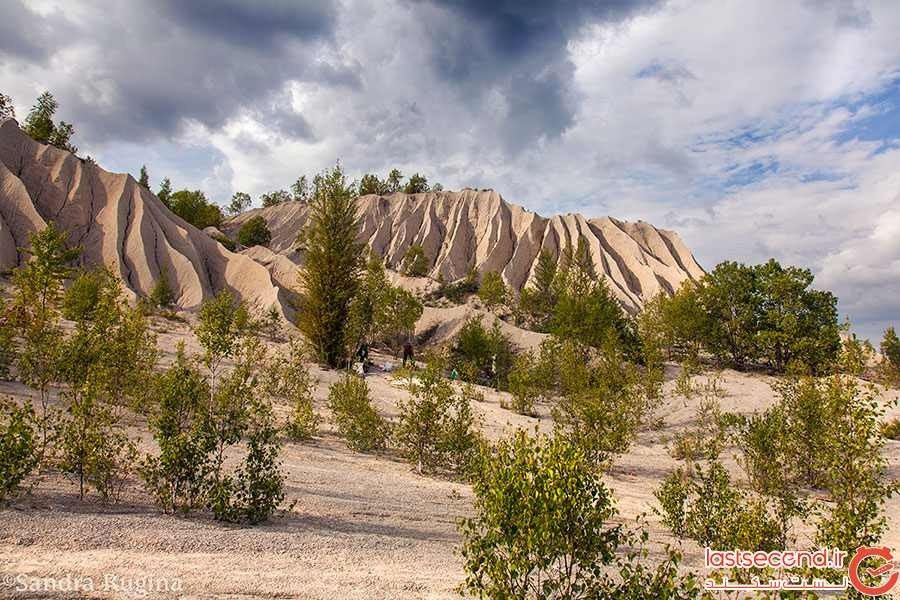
477, 228
117, 223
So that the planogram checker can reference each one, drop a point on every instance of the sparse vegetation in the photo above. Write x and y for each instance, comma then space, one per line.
482, 355
356, 419
19, 446
415, 262
255, 232
493, 292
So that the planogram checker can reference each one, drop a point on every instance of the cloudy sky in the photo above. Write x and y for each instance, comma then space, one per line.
755, 128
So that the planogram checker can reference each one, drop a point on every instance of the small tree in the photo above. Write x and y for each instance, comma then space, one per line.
161, 294
371, 184
415, 262
356, 419
19, 446
196, 209
144, 179
890, 350
493, 292
538, 302
529, 380
436, 427
330, 273
240, 202
417, 184
39, 122
7, 110
286, 377
223, 320
394, 179
482, 355
254, 232
274, 198
165, 193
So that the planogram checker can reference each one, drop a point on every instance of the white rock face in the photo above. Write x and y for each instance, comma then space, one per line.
117, 223
472, 228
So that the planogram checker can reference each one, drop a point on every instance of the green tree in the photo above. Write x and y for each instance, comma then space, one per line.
330, 274
371, 184
890, 347
540, 530
538, 301
287, 377
355, 416
7, 110
416, 184
39, 122
165, 193
729, 298
400, 312
436, 427
144, 179
369, 302
415, 262
493, 291
393, 181
19, 446
300, 191
274, 198
796, 324
161, 294
240, 202
223, 321
193, 207
482, 355
254, 232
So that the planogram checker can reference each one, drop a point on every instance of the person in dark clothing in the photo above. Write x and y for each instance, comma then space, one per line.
408, 354
362, 355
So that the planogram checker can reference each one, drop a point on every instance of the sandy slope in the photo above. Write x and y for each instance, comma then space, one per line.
361, 526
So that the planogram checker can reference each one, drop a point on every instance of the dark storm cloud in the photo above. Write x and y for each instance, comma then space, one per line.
519, 49
154, 67
26, 35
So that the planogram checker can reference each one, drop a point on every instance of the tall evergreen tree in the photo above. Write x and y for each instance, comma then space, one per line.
330, 274
165, 192
144, 180
7, 110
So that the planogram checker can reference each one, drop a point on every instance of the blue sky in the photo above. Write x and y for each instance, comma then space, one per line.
755, 129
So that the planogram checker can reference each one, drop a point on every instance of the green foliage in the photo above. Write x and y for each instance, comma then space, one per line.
415, 262
401, 312
286, 377
585, 310
540, 531
355, 416
7, 341
274, 198
493, 292
144, 178
254, 232
226, 241
676, 325
178, 476
706, 438
193, 207
891, 430
330, 274
458, 291
482, 355
890, 347
417, 184
300, 191
19, 446
436, 427
222, 321
528, 382
603, 399
710, 509
39, 124
380, 311
161, 294
392, 183
240, 202
93, 448
371, 184
165, 193
538, 302
7, 110
270, 323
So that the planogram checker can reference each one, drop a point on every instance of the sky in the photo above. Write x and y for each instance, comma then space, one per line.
755, 128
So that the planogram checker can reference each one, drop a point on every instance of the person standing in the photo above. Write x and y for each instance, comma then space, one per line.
408, 354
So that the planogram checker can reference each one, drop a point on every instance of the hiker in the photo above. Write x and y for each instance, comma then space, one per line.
363, 355
408, 354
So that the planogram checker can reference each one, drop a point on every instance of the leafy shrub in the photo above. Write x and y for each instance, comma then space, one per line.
710, 509
540, 530
415, 262
161, 294
19, 446
83, 295
254, 232
436, 427
228, 243
529, 380
492, 291
287, 377
356, 418
481, 355
891, 430
196, 209
457, 291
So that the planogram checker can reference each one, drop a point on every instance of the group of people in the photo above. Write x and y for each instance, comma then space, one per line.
362, 356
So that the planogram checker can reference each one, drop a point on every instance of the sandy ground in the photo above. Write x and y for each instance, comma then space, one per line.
359, 526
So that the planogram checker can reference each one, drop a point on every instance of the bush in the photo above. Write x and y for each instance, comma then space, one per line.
254, 232
161, 294
355, 417
83, 295
528, 382
493, 292
193, 207
287, 377
226, 241
458, 291
19, 446
415, 262
436, 427
891, 430
482, 356
539, 531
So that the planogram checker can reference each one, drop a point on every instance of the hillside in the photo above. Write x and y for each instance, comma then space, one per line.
478, 228
117, 223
